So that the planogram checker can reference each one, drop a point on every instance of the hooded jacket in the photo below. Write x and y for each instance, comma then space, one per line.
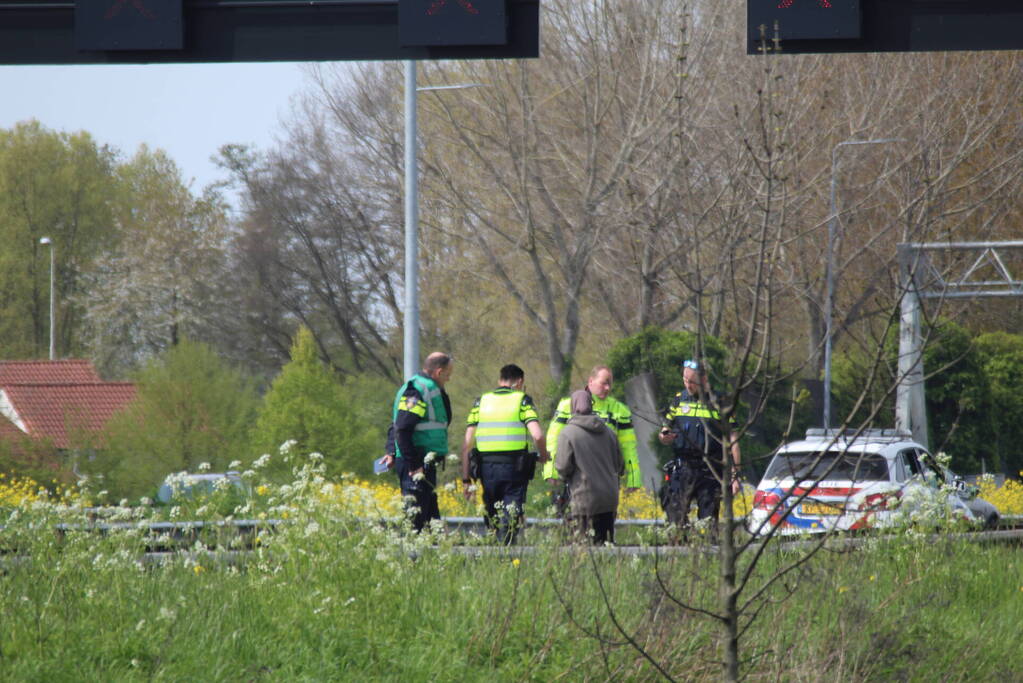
590, 460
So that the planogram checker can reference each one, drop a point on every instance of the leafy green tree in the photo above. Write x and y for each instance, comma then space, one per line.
306, 404
959, 402
960, 406
1002, 358
56, 185
191, 408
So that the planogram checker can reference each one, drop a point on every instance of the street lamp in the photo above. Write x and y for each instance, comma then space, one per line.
411, 317
829, 301
46, 241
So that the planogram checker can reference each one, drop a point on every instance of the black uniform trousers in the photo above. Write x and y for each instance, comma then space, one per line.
692, 480
504, 497
419, 497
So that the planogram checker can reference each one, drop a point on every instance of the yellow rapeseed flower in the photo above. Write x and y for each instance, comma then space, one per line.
1008, 497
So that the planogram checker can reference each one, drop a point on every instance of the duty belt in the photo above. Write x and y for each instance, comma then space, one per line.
505, 458
693, 459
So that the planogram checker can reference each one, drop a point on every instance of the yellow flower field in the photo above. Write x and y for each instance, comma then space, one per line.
382, 498
1008, 497
16, 492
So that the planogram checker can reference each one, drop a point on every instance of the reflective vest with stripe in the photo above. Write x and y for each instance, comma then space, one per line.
693, 419
431, 433
499, 427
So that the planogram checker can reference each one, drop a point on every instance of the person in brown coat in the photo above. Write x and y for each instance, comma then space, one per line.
590, 460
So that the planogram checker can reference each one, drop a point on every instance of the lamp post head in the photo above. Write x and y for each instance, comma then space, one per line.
45, 240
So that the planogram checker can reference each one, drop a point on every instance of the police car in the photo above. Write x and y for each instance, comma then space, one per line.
845, 481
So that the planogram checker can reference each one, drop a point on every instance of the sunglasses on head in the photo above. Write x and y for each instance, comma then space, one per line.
691, 364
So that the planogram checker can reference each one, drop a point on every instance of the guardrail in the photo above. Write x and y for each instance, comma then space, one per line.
190, 530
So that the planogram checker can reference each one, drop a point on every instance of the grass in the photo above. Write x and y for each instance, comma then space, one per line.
328, 598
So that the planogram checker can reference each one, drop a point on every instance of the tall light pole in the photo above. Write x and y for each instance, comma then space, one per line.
411, 357
411, 317
829, 302
53, 346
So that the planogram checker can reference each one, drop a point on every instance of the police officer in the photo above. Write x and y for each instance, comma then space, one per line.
499, 425
615, 414
694, 430
419, 436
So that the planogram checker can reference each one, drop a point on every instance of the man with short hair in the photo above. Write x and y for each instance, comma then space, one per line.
615, 414
694, 430
590, 462
499, 426
419, 436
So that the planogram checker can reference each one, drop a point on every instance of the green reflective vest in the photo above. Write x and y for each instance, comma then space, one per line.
500, 427
431, 433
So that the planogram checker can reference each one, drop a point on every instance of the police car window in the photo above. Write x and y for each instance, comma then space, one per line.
901, 468
926, 460
928, 465
911, 460
811, 466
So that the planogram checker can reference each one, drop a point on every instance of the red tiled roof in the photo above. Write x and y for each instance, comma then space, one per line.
47, 372
51, 411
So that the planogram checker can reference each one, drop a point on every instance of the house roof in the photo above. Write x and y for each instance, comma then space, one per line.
58, 411
47, 372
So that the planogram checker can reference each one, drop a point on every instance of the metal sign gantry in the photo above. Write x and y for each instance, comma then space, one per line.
983, 275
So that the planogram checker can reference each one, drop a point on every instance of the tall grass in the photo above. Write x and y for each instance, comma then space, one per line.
328, 597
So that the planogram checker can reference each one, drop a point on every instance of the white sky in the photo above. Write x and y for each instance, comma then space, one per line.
188, 110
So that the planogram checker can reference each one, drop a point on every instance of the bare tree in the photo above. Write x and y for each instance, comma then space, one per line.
320, 238
771, 254
563, 153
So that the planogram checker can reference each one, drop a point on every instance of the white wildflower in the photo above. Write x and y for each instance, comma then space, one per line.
418, 476
261, 462
167, 614
287, 446
452, 457
235, 464
204, 467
